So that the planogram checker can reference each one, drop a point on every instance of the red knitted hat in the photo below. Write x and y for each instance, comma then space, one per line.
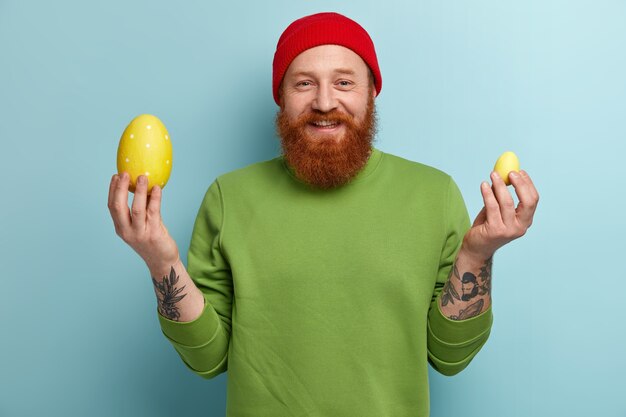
323, 29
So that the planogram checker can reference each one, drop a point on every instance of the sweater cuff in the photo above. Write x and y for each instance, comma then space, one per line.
459, 332
453, 343
192, 333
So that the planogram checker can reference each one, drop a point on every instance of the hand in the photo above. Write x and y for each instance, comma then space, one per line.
144, 231
499, 221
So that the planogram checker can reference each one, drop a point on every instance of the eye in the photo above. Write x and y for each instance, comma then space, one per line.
344, 84
303, 84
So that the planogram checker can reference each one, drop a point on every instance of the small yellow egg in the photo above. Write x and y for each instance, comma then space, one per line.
145, 149
506, 163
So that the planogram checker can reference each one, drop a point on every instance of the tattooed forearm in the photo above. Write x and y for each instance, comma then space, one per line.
485, 277
471, 311
467, 288
169, 295
449, 292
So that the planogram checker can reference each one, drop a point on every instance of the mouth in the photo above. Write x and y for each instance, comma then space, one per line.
326, 126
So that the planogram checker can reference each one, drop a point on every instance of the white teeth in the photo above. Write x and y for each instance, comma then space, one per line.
324, 123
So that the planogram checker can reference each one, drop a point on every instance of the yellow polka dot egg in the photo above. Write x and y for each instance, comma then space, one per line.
145, 149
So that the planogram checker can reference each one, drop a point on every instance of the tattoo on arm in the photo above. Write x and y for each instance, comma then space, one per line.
471, 311
485, 277
169, 295
449, 292
471, 287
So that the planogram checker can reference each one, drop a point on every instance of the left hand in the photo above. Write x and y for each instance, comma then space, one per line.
499, 222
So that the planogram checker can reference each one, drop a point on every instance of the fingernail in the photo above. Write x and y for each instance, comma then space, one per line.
513, 174
141, 180
123, 176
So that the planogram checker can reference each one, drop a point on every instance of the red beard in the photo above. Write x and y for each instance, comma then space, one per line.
327, 161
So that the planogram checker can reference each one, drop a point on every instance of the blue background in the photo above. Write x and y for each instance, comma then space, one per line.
463, 82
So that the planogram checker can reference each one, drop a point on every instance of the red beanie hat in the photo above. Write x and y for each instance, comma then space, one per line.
322, 29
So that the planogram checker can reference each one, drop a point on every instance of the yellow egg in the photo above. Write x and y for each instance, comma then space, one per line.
506, 163
145, 149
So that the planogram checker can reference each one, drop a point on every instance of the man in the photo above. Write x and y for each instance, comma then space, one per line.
326, 279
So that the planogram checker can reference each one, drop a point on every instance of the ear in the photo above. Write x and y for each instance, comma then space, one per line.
372, 80
281, 97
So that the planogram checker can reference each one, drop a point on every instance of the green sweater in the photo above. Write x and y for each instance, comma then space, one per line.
324, 303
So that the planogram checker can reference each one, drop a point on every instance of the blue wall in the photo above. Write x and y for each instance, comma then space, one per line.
463, 82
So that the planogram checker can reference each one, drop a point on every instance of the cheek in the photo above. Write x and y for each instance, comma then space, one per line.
358, 109
295, 106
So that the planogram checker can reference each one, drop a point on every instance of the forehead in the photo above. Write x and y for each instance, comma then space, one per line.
327, 58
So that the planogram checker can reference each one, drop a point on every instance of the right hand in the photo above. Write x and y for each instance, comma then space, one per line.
142, 227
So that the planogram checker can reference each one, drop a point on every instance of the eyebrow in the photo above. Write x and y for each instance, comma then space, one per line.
344, 71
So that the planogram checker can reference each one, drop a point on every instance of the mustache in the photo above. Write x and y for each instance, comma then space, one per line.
330, 116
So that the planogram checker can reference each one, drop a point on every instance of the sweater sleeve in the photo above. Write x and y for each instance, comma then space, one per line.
452, 344
202, 344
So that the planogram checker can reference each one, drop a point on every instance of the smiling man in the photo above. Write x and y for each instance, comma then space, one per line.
327, 121
326, 279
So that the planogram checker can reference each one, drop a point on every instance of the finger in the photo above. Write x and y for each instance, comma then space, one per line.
533, 189
138, 210
119, 205
527, 201
505, 201
112, 186
492, 208
154, 208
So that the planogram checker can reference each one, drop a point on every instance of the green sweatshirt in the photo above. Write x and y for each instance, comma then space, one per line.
324, 303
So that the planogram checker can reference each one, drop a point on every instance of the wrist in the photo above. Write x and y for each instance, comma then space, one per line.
474, 256
162, 267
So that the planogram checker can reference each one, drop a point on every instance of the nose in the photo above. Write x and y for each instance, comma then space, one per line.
325, 99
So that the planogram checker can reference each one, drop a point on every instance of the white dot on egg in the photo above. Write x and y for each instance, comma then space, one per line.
147, 174
147, 145
132, 136
148, 127
167, 162
167, 137
127, 160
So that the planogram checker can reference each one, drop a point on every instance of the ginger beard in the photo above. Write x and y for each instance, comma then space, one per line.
327, 160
